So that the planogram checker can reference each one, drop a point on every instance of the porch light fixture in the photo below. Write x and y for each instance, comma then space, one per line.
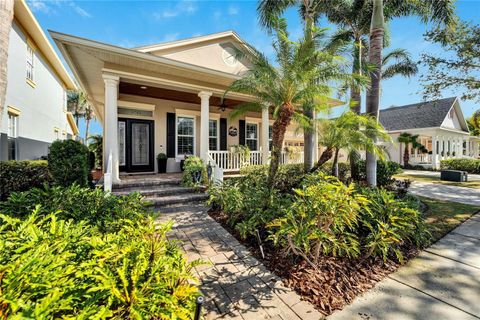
143, 87
223, 106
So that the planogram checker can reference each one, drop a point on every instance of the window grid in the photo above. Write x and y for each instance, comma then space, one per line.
251, 136
213, 134
185, 135
30, 56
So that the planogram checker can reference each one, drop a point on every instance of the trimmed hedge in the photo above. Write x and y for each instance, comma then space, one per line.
469, 165
68, 163
22, 175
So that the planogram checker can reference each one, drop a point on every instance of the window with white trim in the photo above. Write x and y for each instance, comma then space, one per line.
270, 137
251, 136
30, 56
12, 136
213, 134
185, 135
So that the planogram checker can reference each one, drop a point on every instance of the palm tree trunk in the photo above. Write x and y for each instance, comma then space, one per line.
326, 155
87, 127
356, 103
308, 143
373, 95
278, 134
406, 156
335, 163
6, 17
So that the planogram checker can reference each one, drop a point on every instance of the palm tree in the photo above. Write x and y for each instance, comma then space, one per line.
407, 139
287, 88
350, 132
89, 115
77, 104
6, 17
269, 11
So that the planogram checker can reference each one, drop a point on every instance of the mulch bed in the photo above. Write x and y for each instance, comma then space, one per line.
335, 282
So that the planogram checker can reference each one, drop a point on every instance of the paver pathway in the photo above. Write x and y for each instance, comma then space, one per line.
441, 283
235, 285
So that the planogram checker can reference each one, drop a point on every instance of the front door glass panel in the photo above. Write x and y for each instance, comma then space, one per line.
140, 144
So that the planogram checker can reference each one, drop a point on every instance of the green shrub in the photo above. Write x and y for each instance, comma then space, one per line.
321, 220
22, 175
194, 172
52, 268
68, 163
288, 176
469, 165
388, 224
78, 204
343, 170
385, 171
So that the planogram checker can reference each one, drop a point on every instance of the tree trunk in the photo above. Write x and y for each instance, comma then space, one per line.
356, 103
308, 143
87, 127
326, 155
406, 156
373, 95
6, 17
278, 134
335, 163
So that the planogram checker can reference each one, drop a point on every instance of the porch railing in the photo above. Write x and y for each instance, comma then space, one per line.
292, 158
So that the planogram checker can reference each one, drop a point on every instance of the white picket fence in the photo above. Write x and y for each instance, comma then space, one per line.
232, 161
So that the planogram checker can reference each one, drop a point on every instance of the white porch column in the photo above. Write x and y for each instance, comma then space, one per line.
111, 124
204, 117
434, 152
264, 135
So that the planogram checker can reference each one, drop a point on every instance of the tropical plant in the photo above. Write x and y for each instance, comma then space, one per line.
321, 221
385, 172
285, 89
349, 132
6, 18
68, 163
96, 146
194, 172
53, 268
407, 139
77, 104
89, 115
388, 224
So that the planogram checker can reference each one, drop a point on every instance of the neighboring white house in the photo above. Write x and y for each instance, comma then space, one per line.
35, 112
440, 126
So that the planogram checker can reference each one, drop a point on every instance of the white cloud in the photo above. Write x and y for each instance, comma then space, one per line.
188, 7
50, 7
217, 14
233, 10
170, 37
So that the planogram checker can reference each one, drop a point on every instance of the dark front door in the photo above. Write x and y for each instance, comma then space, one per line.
136, 141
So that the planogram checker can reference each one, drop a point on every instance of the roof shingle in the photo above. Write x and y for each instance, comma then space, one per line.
419, 115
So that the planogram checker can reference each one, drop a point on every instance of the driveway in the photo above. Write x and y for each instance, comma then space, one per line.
441, 283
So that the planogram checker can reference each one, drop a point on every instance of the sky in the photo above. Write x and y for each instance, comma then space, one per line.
137, 23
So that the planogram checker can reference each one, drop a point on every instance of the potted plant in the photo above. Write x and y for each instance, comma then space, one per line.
162, 162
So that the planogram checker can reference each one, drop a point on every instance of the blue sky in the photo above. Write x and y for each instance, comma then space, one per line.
136, 23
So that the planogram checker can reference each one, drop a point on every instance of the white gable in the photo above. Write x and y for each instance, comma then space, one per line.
215, 52
455, 119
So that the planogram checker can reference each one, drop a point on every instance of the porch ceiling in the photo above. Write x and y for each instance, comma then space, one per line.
170, 94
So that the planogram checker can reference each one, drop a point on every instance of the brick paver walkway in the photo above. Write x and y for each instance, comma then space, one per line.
235, 284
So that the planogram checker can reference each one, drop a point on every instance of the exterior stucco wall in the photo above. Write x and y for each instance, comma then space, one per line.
42, 106
162, 107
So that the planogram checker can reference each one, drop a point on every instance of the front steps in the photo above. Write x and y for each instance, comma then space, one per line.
162, 191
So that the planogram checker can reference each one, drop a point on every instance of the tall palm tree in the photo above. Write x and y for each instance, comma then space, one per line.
351, 131
96, 146
439, 11
88, 116
310, 10
286, 89
6, 17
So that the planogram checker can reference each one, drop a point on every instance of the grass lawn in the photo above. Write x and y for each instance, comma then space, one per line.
443, 216
430, 179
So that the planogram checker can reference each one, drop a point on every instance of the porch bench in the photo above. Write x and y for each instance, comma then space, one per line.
454, 175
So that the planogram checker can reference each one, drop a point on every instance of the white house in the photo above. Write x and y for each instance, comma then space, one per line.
35, 111
440, 126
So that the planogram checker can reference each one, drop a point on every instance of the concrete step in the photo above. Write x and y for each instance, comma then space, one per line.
156, 191
168, 212
186, 199
135, 184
